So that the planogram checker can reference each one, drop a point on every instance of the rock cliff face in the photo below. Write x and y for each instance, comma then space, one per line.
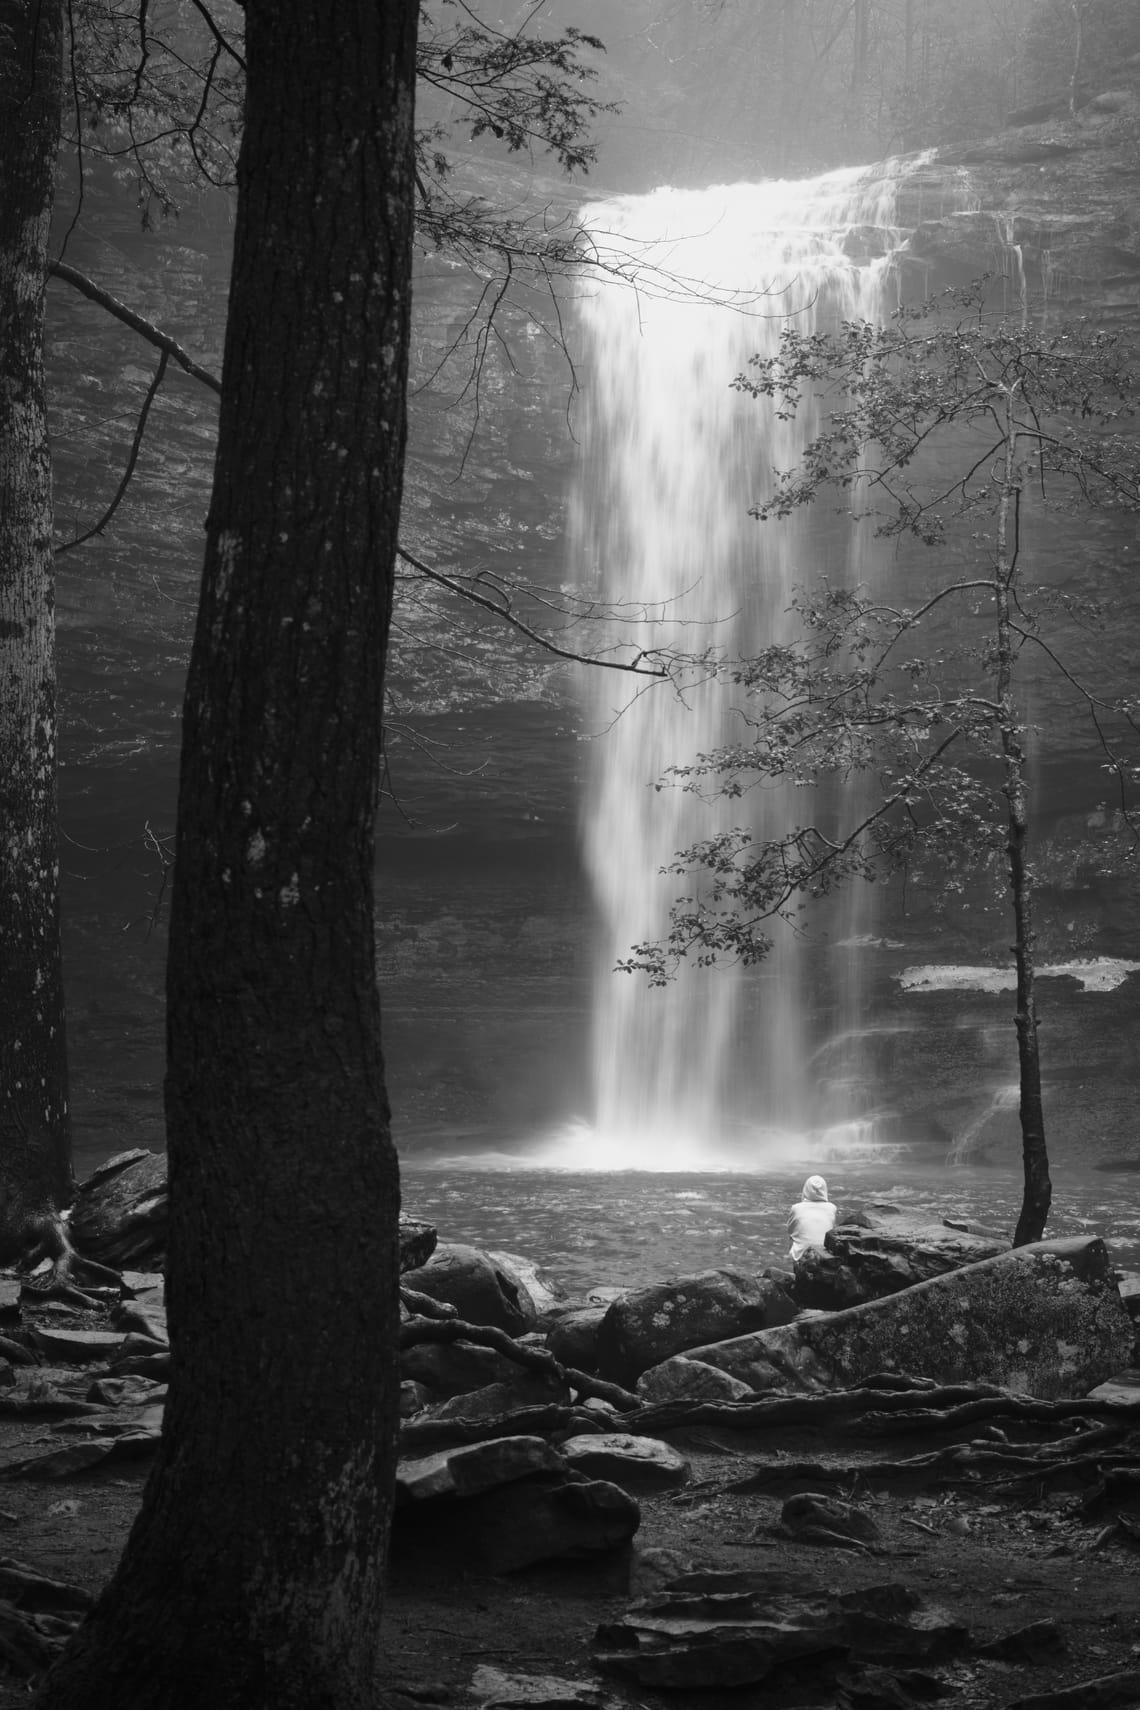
1055, 204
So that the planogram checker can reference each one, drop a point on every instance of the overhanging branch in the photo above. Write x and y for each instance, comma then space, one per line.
138, 323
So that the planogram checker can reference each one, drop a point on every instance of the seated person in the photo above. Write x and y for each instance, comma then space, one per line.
810, 1218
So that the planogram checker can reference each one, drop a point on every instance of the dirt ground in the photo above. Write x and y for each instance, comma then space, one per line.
992, 1563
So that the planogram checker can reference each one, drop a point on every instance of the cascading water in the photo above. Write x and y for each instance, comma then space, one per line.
717, 1067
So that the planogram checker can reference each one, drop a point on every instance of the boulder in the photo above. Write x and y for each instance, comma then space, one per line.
649, 1325
881, 1249
143, 1318
573, 1337
481, 1291
125, 1391
1044, 1320
455, 1368
417, 1242
508, 1504
546, 1292
541, 1520
413, 1398
524, 1389
120, 1217
120, 1214
638, 1464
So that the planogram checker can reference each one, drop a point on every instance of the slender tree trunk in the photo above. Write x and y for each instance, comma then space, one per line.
908, 41
35, 1140
1038, 1189
1078, 12
860, 30
253, 1576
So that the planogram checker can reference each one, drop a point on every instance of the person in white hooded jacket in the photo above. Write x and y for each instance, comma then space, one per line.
810, 1218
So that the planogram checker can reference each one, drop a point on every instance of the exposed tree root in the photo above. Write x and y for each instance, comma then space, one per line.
418, 1330
47, 1237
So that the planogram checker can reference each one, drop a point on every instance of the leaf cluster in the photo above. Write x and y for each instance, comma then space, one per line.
891, 393
895, 724
157, 89
524, 87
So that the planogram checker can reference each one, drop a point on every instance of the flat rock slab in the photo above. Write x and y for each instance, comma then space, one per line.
1122, 1390
1039, 1643
884, 1248
475, 1467
637, 1464
494, 1690
29, 1589
1106, 1692
79, 1458
688, 1379
78, 1347
720, 1631
1044, 1320
10, 1288
153, 1366
687, 1643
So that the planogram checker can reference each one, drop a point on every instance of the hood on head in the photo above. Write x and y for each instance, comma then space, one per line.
815, 1188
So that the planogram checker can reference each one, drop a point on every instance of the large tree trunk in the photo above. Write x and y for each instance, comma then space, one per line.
35, 1140
253, 1575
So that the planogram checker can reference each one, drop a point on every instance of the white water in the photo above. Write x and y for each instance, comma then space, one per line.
722, 1068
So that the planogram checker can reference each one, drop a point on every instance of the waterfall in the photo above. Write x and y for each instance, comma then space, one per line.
717, 1067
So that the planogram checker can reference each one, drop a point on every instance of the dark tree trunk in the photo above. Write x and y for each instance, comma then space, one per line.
1037, 1192
253, 1575
35, 1140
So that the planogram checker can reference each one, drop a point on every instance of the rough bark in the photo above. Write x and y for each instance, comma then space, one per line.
253, 1575
35, 1139
1037, 1191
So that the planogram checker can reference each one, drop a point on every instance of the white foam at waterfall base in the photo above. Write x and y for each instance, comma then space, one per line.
579, 1146
673, 457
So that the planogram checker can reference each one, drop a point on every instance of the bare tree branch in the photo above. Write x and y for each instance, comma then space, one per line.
136, 444
138, 323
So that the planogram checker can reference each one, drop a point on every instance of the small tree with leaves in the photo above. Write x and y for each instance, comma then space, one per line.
941, 422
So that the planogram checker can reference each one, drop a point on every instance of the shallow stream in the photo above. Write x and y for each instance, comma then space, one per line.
635, 1227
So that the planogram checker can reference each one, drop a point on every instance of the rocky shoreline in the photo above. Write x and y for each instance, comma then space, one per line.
544, 1434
